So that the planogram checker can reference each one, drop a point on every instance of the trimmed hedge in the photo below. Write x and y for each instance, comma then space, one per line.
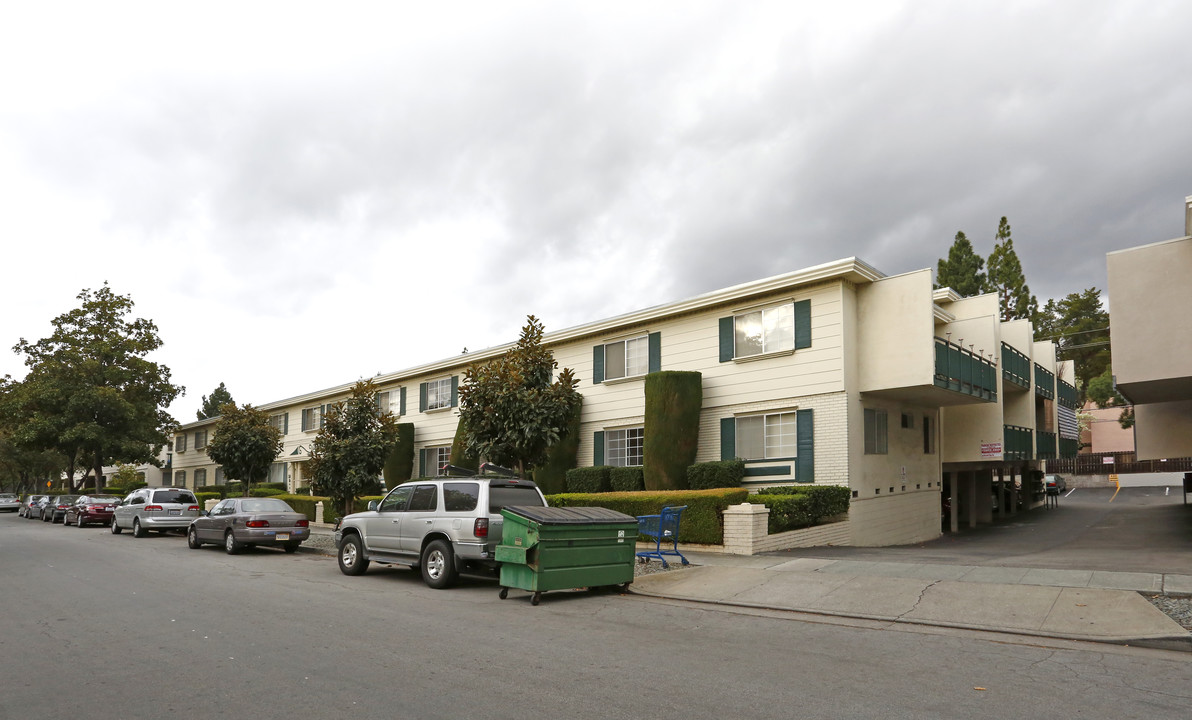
720, 474
701, 521
673, 402
797, 507
589, 479
305, 504
551, 476
399, 466
626, 479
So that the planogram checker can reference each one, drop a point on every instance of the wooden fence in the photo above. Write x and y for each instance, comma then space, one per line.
1120, 463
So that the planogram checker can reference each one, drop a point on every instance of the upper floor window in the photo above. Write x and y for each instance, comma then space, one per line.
626, 358
180, 443
390, 401
312, 418
625, 448
764, 331
200, 439
281, 421
876, 432
438, 394
766, 437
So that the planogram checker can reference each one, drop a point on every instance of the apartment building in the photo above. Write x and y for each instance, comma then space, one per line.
836, 374
1150, 296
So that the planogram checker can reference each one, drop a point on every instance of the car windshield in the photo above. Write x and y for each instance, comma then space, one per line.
173, 496
264, 505
66, 499
501, 497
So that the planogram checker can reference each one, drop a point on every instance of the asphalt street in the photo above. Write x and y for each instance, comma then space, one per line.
104, 626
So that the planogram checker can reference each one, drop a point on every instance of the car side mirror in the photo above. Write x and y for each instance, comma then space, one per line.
372, 505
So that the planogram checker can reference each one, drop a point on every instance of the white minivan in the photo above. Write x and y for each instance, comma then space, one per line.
155, 508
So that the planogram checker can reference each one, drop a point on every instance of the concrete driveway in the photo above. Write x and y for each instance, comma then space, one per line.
1141, 529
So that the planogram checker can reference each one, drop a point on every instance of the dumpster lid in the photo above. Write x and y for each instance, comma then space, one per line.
569, 515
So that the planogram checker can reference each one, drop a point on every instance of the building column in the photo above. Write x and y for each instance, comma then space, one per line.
972, 498
1013, 492
953, 487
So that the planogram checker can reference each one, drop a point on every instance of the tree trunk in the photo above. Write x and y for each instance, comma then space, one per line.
98, 472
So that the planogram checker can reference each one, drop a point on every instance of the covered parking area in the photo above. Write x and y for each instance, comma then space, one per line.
982, 493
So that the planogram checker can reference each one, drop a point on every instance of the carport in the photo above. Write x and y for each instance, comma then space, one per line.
983, 492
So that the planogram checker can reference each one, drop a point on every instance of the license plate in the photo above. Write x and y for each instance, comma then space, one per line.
175, 512
283, 536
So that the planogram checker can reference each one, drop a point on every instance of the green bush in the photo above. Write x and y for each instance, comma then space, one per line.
701, 522
720, 474
551, 477
589, 479
626, 479
673, 403
399, 466
203, 497
797, 507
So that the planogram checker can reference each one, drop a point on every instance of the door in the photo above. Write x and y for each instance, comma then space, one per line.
420, 517
382, 532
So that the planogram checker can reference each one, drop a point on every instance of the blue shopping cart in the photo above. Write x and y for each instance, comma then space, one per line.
662, 527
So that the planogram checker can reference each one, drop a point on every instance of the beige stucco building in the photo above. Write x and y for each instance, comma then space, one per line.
1150, 298
836, 374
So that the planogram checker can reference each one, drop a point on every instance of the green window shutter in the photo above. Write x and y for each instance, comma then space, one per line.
322, 416
598, 448
728, 437
422, 462
655, 352
805, 445
726, 339
597, 364
802, 324
454, 390
305, 422
421, 397
402, 409
285, 423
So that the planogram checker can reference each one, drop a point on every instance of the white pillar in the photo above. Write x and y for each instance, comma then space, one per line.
744, 526
319, 512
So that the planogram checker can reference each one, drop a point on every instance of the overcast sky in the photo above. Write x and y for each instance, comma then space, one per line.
301, 195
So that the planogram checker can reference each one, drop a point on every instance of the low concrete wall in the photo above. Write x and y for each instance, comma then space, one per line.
745, 532
1171, 479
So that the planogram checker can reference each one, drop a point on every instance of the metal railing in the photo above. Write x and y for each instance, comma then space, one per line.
1045, 445
1016, 442
1120, 463
1044, 382
1016, 367
964, 371
1067, 395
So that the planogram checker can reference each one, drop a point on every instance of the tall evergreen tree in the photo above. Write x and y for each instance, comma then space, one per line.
962, 270
1007, 280
211, 404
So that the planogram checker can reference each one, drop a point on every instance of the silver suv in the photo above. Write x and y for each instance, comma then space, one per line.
155, 508
441, 525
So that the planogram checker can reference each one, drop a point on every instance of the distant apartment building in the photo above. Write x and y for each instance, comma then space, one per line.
1150, 298
836, 374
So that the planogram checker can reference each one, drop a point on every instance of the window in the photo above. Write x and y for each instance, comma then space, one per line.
312, 418
460, 497
200, 477
281, 421
928, 436
434, 459
219, 476
626, 358
764, 331
908, 421
396, 500
766, 437
438, 394
875, 432
180, 443
180, 478
200, 439
277, 472
624, 447
424, 499
390, 401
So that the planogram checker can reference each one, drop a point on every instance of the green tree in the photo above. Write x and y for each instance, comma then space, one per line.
244, 443
91, 394
125, 476
1079, 325
1005, 277
349, 453
511, 409
211, 404
962, 270
22, 469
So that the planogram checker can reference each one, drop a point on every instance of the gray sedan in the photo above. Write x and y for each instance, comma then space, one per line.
238, 523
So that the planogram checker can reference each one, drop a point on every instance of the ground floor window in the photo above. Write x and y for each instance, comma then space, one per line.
766, 437
200, 477
876, 442
180, 478
436, 460
624, 448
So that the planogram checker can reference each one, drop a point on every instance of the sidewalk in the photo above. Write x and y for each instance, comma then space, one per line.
1068, 604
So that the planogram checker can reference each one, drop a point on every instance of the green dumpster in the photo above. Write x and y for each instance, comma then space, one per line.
559, 548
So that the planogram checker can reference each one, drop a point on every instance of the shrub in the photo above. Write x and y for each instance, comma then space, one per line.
701, 521
673, 402
203, 497
626, 479
551, 476
589, 479
720, 474
399, 466
797, 506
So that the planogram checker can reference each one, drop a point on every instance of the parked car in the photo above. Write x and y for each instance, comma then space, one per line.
31, 507
1054, 484
9, 502
155, 508
238, 523
442, 525
91, 510
55, 509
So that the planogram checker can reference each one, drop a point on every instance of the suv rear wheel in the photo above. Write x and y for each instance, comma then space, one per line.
438, 565
351, 556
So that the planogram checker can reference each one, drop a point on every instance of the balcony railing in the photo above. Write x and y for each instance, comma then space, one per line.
1016, 367
1044, 382
1016, 443
964, 371
1045, 445
1067, 395
1069, 448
